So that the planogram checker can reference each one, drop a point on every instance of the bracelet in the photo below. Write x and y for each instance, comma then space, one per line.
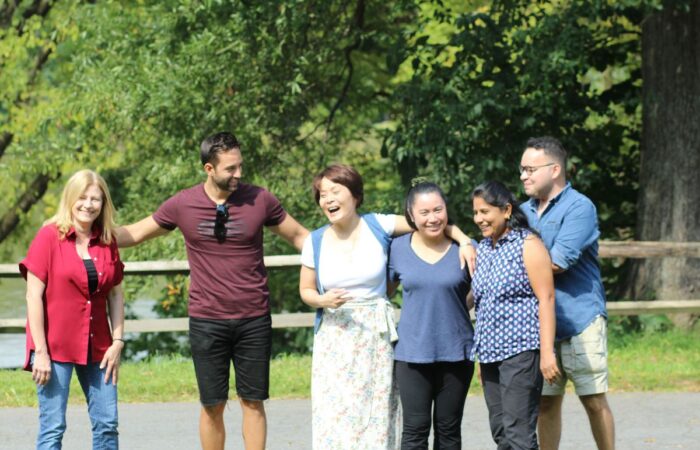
465, 244
119, 339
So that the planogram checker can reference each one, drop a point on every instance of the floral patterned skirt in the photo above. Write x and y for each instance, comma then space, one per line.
354, 394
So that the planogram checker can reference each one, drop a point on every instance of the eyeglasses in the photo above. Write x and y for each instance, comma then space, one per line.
220, 222
529, 170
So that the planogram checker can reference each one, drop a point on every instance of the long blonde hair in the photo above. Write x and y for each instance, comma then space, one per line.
74, 188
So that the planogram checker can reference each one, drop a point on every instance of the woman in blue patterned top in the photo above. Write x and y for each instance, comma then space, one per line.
432, 364
513, 289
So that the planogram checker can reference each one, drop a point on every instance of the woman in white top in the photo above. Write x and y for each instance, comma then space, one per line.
354, 397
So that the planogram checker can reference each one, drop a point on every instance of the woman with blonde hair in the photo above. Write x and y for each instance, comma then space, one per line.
73, 274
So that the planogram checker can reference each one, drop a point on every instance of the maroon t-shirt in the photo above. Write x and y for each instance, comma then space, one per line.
228, 279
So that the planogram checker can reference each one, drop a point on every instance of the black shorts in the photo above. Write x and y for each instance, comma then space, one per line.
217, 342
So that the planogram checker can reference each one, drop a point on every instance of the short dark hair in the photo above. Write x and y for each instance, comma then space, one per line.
422, 187
497, 194
551, 146
215, 144
341, 174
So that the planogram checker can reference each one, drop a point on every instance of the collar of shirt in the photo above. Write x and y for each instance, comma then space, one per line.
508, 237
94, 233
533, 203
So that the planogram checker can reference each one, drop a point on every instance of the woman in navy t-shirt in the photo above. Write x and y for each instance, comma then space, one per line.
435, 333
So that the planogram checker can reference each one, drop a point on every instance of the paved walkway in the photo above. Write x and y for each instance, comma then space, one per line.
643, 420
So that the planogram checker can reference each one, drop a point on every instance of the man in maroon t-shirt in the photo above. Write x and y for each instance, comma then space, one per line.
222, 221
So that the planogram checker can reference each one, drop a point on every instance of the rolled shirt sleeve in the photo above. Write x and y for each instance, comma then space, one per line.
578, 231
118, 264
38, 257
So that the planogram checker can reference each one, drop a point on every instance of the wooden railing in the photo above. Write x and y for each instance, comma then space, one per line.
608, 249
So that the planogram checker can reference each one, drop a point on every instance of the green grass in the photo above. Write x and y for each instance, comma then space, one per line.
163, 379
662, 361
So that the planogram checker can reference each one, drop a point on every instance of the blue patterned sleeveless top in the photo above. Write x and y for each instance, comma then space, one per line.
507, 311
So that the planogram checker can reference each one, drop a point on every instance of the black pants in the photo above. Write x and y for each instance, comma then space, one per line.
512, 390
441, 387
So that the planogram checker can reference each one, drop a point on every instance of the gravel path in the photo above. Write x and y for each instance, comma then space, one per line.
643, 421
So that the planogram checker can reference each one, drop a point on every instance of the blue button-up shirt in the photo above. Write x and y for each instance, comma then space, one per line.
569, 229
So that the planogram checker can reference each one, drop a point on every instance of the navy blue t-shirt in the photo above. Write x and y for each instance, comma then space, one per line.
435, 324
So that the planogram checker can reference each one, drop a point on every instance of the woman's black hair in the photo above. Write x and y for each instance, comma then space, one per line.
421, 187
496, 194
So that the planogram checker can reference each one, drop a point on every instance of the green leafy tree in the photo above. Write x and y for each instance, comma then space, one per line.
517, 69
30, 32
514, 69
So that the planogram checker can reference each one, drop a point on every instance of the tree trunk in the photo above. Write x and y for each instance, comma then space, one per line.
34, 192
669, 199
38, 186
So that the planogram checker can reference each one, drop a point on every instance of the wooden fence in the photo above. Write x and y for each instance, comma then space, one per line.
608, 249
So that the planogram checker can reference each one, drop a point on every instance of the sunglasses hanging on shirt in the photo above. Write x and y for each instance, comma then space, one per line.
220, 222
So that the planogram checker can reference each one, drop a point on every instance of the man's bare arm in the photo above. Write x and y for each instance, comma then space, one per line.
136, 233
292, 231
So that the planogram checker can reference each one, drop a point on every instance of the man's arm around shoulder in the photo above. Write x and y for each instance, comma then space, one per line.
579, 230
136, 233
556, 269
292, 231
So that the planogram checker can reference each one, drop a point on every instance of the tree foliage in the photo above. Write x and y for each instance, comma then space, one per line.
135, 86
31, 152
517, 69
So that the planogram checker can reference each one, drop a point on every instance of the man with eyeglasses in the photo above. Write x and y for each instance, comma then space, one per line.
222, 220
568, 224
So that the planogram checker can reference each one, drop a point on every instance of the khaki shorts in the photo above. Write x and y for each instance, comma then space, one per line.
584, 360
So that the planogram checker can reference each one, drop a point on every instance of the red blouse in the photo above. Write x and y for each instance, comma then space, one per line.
74, 319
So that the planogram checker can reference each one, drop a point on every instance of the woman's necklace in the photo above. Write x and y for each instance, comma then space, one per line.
82, 241
345, 246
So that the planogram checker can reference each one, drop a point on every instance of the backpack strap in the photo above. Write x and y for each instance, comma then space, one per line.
382, 236
317, 236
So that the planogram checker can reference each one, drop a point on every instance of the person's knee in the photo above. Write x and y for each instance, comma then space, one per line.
105, 434
52, 425
417, 423
105, 425
256, 407
52, 430
416, 431
214, 412
448, 423
550, 404
595, 404
449, 430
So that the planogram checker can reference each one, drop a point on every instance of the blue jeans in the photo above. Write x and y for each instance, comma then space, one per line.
101, 399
